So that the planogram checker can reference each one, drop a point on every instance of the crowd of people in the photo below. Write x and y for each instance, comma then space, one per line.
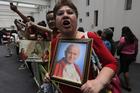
126, 49
62, 24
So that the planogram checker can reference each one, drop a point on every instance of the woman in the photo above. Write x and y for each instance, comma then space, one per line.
66, 16
128, 48
107, 37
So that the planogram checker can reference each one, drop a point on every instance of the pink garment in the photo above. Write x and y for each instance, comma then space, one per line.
127, 48
115, 85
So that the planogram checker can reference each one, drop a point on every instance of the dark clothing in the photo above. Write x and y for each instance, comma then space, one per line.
125, 61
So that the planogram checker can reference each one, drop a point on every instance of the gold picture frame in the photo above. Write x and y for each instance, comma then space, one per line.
71, 62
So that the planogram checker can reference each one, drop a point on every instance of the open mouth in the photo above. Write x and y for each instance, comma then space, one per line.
66, 24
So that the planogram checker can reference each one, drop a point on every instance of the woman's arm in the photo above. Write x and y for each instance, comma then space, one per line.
104, 55
107, 72
39, 28
15, 9
96, 85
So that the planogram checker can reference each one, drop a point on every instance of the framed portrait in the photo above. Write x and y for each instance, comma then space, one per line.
37, 55
71, 62
34, 51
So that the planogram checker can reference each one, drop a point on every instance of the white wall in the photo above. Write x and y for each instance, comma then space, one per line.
6, 22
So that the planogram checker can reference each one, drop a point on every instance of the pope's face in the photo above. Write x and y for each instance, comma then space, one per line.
72, 54
66, 20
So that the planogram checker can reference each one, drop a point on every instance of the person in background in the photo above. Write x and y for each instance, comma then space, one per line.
128, 50
1, 34
29, 33
20, 28
107, 37
99, 32
81, 29
52, 31
7, 40
66, 15
42, 23
44, 35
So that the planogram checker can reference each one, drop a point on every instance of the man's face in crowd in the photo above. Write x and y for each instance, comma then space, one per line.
50, 20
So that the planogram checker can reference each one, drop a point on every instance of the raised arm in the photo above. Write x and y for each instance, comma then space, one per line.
15, 9
39, 28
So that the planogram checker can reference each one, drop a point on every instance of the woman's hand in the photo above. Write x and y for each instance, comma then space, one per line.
96, 85
13, 7
46, 77
92, 86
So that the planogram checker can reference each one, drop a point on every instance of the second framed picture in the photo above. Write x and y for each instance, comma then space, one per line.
71, 62
34, 51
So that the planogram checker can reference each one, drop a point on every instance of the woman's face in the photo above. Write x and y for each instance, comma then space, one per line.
66, 20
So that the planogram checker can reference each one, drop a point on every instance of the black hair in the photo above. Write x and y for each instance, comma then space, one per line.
99, 32
109, 34
49, 18
31, 18
128, 34
81, 29
42, 23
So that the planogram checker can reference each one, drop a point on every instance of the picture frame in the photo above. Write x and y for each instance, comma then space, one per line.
37, 59
35, 50
71, 62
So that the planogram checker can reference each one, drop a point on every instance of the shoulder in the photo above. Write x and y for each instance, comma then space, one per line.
93, 35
